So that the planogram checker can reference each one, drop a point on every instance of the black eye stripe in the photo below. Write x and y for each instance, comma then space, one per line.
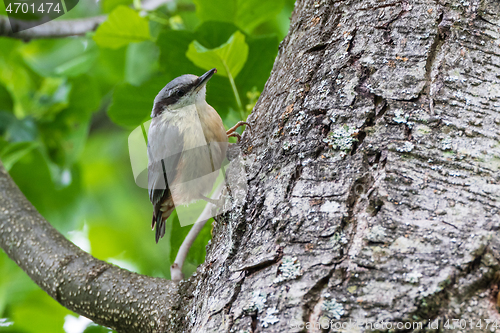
173, 98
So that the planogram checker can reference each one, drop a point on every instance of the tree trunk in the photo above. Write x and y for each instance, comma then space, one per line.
373, 169
373, 186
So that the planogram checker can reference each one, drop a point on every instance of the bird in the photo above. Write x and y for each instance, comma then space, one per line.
186, 144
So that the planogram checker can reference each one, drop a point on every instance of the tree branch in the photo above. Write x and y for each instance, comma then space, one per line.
53, 29
102, 292
65, 28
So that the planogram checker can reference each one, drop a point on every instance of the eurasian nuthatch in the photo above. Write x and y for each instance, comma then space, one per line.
187, 144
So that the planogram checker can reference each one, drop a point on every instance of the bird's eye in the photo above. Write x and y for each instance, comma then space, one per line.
180, 93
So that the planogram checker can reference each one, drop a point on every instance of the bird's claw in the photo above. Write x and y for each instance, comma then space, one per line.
231, 132
236, 135
238, 124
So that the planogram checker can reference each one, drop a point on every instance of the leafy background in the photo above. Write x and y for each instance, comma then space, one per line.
68, 105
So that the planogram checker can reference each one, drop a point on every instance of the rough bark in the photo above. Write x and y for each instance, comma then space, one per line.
399, 225
373, 181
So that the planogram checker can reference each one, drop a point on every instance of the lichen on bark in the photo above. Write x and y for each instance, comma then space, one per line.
403, 225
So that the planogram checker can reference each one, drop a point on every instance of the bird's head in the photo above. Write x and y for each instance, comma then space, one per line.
182, 91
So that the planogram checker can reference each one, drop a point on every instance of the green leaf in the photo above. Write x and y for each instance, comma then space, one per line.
6, 118
63, 141
212, 34
229, 57
279, 24
246, 14
31, 94
108, 5
221, 96
6, 103
84, 99
132, 105
33, 173
17, 79
263, 51
108, 69
173, 45
189, 19
101, 234
64, 134
44, 313
123, 26
10, 153
2, 9
15, 130
60, 57
141, 62
51, 98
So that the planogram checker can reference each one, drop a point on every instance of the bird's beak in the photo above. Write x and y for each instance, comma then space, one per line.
202, 80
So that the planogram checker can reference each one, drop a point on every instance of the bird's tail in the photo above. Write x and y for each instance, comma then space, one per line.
159, 220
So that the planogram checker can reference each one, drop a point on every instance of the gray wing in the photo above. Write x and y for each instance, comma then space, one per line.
164, 150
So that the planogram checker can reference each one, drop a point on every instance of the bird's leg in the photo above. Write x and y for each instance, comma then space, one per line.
235, 127
176, 268
236, 135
